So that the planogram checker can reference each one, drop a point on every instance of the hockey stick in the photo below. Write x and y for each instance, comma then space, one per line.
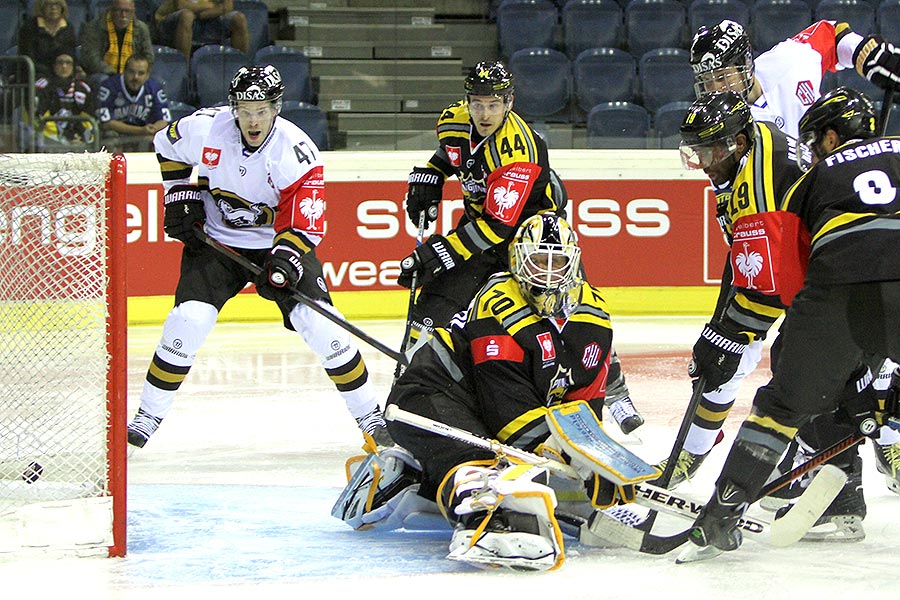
886, 104
256, 270
420, 234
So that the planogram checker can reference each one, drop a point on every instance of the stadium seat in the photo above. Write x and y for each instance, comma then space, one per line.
604, 75
618, 125
667, 123
712, 12
294, 68
310, 118
893, 127
180, 109
9, 25
170, 68
592, 24
257, 13
888, 19
665, 76
653, 24
776, 20
526, 24
212, 68
860, 14
543, 84
143, 10
850, 78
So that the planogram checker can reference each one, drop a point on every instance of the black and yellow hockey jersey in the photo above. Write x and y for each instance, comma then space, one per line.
462, 153
850, 203
765, 175
508, 364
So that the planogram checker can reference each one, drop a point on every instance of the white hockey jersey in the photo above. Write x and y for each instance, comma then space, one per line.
248, 196
791, 72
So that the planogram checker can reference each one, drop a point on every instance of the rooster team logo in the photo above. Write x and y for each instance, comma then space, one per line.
313, 208
455, 155
211, 157
548, 352
749, 263
508, 190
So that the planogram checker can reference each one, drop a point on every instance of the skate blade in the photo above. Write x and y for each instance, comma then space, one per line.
694, 553
838, 528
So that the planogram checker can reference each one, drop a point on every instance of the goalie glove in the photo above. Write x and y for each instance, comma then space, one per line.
428, 261
716, 356
183, 208
282, 271
878, 61
425, 191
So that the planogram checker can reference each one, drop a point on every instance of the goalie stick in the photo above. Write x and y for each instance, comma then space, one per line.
302, 299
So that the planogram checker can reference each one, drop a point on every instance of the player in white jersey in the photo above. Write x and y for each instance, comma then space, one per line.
780, 85
259, 190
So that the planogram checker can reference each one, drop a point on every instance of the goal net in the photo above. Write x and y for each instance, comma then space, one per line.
63, 371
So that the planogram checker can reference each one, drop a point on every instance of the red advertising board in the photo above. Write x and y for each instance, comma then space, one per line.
633, 232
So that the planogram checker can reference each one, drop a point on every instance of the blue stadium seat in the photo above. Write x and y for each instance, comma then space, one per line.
257, 13
888, 19
777, 20
666, 76
604, 75
618, 125
667, 123
294, 68
310, 118
9, 25
592, 24
143, 10
543, 84
893, 127
850, 78
653, 24
180, 109
212, 68
171, 69
526, 24
860, 14
712, 12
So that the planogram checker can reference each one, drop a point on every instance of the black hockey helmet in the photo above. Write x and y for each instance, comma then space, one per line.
710, 127
847, 111
490, 78
256, 84
722, 59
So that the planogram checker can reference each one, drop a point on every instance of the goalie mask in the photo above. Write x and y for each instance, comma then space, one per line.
848, 112
722, 59
710, 127
545, 260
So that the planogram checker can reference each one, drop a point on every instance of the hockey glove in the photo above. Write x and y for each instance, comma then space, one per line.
428, 261
716, 355
183, 208
425, 190
878, 61
281, 273
859, 411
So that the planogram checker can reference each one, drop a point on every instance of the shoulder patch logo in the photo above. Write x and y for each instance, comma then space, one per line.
806, 93
455, 155
591, 357
548, 351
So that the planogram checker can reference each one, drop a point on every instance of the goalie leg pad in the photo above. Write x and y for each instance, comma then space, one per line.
376, 487
506, 518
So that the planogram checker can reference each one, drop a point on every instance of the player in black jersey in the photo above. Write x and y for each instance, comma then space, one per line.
844, 213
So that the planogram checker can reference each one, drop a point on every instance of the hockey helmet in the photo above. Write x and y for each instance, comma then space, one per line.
847, 111
722, 59
710, 127
545, 260
490, 78
256, 84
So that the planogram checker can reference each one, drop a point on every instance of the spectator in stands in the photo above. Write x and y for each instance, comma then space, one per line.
108, 41
64, 94
45, 35
131, 108
180, 22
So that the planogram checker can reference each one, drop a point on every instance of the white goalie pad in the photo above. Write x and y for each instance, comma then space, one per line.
579, 433
380, 484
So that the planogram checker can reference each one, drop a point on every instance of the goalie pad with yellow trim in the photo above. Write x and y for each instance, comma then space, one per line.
505, 518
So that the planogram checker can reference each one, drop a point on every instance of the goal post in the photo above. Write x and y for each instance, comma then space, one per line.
63, 354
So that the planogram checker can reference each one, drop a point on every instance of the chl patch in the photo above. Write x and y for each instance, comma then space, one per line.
806, 93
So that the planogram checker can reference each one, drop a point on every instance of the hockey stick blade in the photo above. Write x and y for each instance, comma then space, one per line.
255, 269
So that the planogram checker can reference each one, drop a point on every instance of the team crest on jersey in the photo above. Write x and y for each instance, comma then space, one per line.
548, 351
455, 155
591, 356
211, 157
508, 190
312, 201
806, 93
559, 385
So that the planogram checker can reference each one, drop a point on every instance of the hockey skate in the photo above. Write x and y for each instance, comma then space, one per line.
842, 521
505, 518
625, 414
888, 463
685, 467
373, 424
717, 525
142, 427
